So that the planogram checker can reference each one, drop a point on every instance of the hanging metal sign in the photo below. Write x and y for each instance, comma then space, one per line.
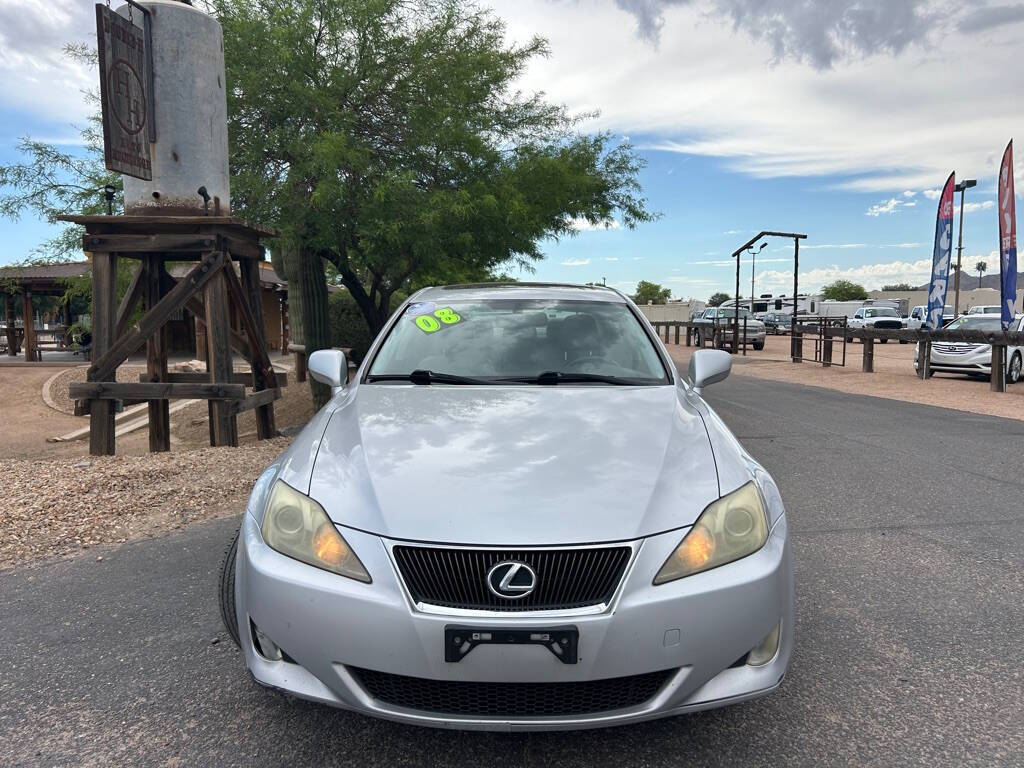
126, 91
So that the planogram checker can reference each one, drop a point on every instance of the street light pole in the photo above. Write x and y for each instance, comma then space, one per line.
962, 187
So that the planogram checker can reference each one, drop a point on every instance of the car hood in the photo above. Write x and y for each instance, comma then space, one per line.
514, 465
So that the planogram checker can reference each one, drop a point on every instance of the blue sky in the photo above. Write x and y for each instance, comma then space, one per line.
838, 118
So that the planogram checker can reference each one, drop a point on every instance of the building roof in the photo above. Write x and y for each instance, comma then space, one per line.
57, 271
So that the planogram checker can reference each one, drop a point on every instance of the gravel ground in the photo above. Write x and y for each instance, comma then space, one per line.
894, 377
62, 506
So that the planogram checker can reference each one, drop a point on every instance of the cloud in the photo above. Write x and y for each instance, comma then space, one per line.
732, 262
820, 33
901, 245
984, 19
611, 258
38, 78
887, 207
932, 194
871, 276
974, 207
841, 246
582, 225
575, 262
909, 193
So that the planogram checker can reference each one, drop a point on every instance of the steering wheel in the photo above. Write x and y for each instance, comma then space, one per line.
588, 362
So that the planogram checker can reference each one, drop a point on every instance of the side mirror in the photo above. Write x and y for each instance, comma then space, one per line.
329, 366
708, 366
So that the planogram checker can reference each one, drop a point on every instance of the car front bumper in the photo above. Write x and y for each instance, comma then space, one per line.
694, 629
977, 361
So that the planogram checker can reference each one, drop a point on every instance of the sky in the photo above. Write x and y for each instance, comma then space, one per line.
840, 119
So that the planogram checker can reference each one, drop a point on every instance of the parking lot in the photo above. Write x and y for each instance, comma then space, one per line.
908, 638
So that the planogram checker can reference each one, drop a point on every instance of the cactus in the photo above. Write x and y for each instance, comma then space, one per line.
286, 263
316, 330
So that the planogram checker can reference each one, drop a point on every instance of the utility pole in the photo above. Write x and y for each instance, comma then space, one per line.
962, 187
753, 264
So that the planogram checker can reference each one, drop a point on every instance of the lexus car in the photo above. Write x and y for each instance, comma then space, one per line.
516, 515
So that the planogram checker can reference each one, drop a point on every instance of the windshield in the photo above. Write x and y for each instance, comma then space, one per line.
731, 312
974, 323
880, 312
983, 310
506, 338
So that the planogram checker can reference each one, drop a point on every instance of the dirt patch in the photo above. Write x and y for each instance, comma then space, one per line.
58, 385
894, 377
58, 507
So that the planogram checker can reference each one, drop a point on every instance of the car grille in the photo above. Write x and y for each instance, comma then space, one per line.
474, 699
888, 325
953, 349
566, 578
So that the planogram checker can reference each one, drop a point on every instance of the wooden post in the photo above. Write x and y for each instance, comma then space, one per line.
924, 358
689, 336
998, 377
250, 268
826, 352
200, 338
223, 422
868, 365
30, 326
12, 333
104, 320
156, 357
677, 335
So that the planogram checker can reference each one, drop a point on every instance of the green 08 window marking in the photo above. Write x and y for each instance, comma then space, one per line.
441, 318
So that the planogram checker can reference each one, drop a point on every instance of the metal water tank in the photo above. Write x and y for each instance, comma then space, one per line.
191, 149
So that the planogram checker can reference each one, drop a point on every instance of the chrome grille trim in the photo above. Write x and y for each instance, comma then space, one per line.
572, 580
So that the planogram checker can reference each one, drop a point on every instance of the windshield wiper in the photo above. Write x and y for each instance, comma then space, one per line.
558, 377
420, 376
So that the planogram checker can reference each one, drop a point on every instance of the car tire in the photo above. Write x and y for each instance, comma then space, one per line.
228, 614
759, 345
1013, 374
883, 341
903, 341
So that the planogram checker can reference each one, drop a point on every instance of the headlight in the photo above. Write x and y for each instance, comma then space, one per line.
298, 527
731, 528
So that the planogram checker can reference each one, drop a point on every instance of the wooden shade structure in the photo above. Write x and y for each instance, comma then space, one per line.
216, 244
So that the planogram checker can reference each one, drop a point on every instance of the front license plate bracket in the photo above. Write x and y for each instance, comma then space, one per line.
563, 642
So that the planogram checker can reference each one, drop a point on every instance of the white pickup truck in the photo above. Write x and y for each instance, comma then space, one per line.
919, 314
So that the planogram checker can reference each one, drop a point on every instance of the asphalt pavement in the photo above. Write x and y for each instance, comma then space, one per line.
907, 523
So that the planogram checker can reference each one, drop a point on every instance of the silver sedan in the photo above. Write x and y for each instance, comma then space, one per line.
516, 516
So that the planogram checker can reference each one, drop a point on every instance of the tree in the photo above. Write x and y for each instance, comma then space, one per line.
387, 138
897, 287
718, 299
651, 292
981, 268
844, 290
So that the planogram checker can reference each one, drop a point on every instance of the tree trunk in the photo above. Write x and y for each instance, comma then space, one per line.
316, 330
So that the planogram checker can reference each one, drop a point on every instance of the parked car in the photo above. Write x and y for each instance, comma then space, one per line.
722, 317
974, 359
985, 309
777, 322
518, 515
881, 318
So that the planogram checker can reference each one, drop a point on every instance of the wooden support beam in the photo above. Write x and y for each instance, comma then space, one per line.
29, 341
139, 245
924, 359
997, 378
239, 343
156, 359
104, 322
200, 377
223, 422
261, 399
106, 362
868, 365
250, 305
127, 390
131, 297
12, 333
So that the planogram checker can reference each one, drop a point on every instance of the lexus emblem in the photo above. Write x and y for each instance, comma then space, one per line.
511, 580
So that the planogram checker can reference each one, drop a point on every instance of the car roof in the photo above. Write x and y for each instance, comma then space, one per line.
478, 291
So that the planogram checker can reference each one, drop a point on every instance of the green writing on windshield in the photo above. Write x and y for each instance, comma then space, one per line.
444, 317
